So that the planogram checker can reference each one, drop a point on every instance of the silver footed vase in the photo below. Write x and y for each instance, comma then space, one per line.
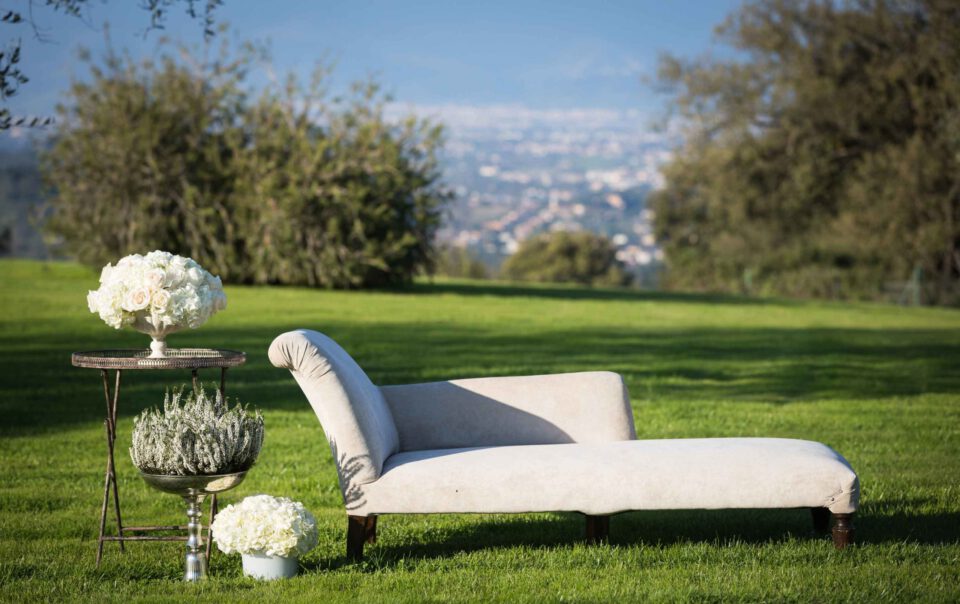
158, 333
193, 489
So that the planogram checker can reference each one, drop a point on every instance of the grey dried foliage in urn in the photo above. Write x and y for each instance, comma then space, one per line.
196, 434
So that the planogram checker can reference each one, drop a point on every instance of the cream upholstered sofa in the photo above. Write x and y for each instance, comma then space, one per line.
544, 443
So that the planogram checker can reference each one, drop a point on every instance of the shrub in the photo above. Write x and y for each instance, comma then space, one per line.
564, 257
288, 188
453, 261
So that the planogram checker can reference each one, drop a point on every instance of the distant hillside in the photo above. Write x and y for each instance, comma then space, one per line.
21, 200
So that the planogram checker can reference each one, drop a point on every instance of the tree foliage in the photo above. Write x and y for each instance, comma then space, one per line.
457, 262
288, 187
825, 159
567, 257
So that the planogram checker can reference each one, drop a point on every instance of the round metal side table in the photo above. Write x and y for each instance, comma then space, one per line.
193, 359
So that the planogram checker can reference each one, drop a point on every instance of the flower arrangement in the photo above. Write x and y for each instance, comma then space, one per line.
156, 294
201, 436
266, 525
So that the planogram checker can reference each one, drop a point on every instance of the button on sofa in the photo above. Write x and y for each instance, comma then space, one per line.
546, 443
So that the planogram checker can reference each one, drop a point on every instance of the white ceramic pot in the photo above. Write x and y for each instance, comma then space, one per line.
260, 566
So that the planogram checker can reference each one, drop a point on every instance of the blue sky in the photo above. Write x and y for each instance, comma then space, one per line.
534, 54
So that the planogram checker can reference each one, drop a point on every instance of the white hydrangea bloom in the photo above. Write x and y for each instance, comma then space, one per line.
263, 524
160, 289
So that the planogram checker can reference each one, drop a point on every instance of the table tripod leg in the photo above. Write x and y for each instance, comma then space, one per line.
110, 480
223, 382
196, 380
113, 463
106, 500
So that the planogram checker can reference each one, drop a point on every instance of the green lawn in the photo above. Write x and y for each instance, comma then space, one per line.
881, 384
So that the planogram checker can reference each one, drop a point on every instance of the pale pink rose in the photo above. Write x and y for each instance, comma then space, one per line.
160, 300
155, 277
136, 299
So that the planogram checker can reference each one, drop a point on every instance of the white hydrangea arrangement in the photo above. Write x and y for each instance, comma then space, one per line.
156, 294
265, 525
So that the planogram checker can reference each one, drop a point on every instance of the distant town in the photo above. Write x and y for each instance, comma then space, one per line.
518, 172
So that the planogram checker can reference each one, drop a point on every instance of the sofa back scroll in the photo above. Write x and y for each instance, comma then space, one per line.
355, 418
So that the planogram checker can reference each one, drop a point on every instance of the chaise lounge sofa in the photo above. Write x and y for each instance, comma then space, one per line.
547, 443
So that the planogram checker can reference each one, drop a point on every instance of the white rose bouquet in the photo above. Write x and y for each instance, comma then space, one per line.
265, 525
156, 294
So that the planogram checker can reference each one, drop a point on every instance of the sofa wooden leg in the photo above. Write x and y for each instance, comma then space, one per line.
821, 520
598, 529
360, 530
842, 530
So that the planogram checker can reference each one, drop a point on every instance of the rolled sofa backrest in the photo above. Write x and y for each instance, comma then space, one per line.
351, 409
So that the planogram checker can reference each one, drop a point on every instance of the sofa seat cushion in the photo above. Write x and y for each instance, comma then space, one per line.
605, 478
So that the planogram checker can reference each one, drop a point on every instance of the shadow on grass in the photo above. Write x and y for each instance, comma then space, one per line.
43, 392
574, 292
656, 528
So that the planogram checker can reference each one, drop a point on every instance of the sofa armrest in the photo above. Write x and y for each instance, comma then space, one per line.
527, 410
